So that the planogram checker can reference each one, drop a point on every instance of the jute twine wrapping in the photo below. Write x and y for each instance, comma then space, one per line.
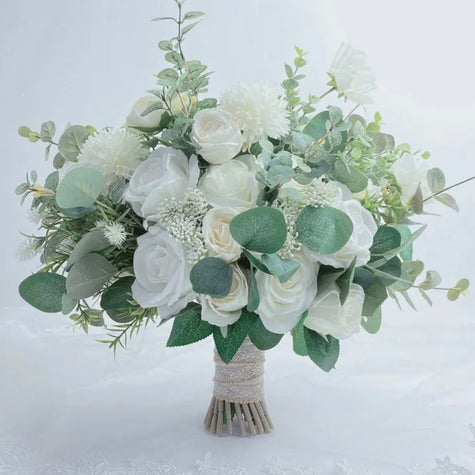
241, 380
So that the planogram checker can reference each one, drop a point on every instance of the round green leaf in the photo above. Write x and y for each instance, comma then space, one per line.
261, 229
385, 239
117, 295
44, 291
88, 275
324, 230
79, 188
349, 176
69, 144
212, 276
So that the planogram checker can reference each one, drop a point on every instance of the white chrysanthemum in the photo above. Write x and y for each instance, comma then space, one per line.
258, 110
27, 249
114, 152
115, 232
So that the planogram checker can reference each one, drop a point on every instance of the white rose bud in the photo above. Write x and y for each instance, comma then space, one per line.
217, 235
282, 304
226, 311
148, 121
410, 173
167, 173
231, 184
327, 316
162, 276
216, 135
352, 76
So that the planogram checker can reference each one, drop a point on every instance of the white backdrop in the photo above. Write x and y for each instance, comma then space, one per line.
407, 393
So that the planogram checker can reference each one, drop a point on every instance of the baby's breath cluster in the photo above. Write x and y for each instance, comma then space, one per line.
183, 220
320, 192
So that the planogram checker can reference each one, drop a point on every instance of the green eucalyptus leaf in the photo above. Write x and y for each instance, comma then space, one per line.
349, 176
52, 181
375, 295
188, 327
93, 241
79, 188
24, 131
386, 239
298, 338
263, 338
261, 229
253, 297
236, 333
431, 281
345, 280
284, 269
118, 295
69, 144
58, 161
67, 304
324, 229
372, 324
436, 180
448, 200
212, 276
47, 131
256, 262
44, 291
88, 276
323, 351
392, 268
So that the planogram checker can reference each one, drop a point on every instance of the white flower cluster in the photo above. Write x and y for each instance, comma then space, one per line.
320, 192
114, 232
183, 220
290, 209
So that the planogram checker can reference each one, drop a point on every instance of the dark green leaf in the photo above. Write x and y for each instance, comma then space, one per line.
298, 337
385, 239
212, 276
363, 277
324, 229
189, 328
345, 280
44, 291
237, 332
263, 338
392, 268
118, 295
261, 229
323, 352
375, 295
256, 262
253, 297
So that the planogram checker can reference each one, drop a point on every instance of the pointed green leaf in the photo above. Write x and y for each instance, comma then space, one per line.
324, 352
118, 295
91, 242
372, 324
188, 327
298, 337
284, 269
263, 338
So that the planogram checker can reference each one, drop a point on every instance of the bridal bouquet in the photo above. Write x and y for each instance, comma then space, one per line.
251, 216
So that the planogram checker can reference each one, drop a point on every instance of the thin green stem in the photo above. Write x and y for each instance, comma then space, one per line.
449, 187
326, 93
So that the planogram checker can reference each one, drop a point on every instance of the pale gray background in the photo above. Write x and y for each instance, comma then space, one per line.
406, 393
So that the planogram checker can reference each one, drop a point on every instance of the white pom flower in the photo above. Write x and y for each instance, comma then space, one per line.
114, 232
114, 152
258, 110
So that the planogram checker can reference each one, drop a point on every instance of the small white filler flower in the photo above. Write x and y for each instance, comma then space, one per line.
114, 232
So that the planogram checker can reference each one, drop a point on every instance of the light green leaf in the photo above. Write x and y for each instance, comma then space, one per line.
69, 145
191, 15
324, 352
79, 188
410, 270
431, 281
44, 291
284, 269
67, 304
88, 276
261, 229
349, 176
436, 180
324, 229
212, 276
236, 333
188, 328
448, 200
91, 242
298, 338
24, 131
47, 131
52, 181
372, 324
263, 338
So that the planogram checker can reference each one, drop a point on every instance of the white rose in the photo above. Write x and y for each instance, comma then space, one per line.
231, 184
216, 135
282, 304
149, 121
327, 316
226, 311
361, 239
410, 172
167, 173
217, 236
352, 76
162, 276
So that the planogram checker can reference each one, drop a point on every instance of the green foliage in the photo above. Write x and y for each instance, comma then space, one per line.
70, 142
298, 337
47, 131
188, 327
236, 333
349, 176
386, 239
460, 288
345, 280
375, 295
372, 323
329, 129
263, 338
79, 188
88, 276
324, 229
253, 299
118, 295
92, 241
261, 229
284, 269
323, 351
44, 291
212, 276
